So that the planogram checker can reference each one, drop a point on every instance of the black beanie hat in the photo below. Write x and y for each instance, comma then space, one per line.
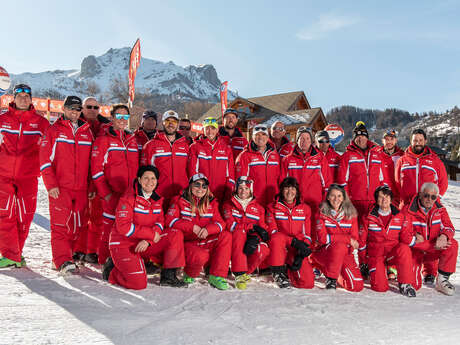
360, 129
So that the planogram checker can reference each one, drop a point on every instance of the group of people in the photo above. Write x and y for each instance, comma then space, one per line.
136, 201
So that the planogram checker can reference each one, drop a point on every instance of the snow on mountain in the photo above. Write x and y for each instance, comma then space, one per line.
96, 75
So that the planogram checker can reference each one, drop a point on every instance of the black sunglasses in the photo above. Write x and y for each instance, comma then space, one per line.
184, 128
323, 141
95, 107
75, 108
200, 185
429, 196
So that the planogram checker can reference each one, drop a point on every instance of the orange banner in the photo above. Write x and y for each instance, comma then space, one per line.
6, 100
134, 61
40, 104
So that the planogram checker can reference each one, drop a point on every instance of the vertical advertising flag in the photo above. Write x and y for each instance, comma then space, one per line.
134, 61
223, 97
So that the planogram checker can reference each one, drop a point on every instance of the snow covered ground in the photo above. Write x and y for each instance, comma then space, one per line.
37, 306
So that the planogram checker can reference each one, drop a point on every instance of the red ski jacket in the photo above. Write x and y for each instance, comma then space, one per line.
286, 146
378, 235
98, 126
65, 155
239, 219
361, 172
263, 169
295, 222
430, 225
20, 136
171, 161
137, 218
311, 172
412, 171
331, 230
215, 161
333, 161
114, 162
389, 164
237, 142
142, 138
180, 217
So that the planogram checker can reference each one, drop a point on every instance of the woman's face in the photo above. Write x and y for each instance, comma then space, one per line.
120, 124
289, 194
148, 181
244, 192
199, 188
335, 198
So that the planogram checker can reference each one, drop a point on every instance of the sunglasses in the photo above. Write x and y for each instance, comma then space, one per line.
323, 141
77, 108
95, 107
430, 196
23, 89
200, 185
171, 120
184, 128
260, 129
279, 129
122, 116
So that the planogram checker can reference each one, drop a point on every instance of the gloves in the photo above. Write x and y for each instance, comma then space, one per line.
302, 248
297, 263
364, 270
252, 242
262, 232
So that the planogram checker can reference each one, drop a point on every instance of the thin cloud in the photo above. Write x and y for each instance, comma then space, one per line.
325, 24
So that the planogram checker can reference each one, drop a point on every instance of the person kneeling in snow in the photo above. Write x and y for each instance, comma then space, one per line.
433, 237
289, 224
388, 244
196, 214
246, 221
138, 234
337, 231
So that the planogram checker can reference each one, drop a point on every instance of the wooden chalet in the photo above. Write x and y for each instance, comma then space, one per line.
292, 108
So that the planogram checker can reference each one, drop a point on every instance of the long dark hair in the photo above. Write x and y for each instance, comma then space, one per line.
289, 182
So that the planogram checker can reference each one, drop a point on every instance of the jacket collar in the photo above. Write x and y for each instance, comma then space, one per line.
223, 132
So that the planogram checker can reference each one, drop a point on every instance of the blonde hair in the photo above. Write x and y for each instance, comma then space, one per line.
204, 202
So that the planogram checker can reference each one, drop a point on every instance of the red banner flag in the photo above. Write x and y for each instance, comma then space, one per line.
134, 61
223, 97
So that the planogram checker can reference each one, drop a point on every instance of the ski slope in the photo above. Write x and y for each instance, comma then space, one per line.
38, 306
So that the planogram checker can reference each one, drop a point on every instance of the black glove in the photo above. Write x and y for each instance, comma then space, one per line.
252, 242
302, 248
297, 263
364, 270
262, 232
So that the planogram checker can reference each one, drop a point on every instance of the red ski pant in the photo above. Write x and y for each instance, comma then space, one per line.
214, 251
18, 200
446, 258
67, 215
399, 255
90, 236
336, 261
242, 262
129, 270
282, 253
362, 206
108, 220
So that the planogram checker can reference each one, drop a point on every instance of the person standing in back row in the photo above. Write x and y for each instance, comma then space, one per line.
231, 133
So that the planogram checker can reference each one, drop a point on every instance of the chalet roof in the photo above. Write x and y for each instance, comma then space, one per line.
294, 117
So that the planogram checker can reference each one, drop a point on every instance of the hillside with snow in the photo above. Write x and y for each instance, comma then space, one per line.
38, 306
97, 74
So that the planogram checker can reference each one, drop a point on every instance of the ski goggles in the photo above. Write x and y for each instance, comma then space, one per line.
210, 121
22, 89
244, 180
390, 132
122, 116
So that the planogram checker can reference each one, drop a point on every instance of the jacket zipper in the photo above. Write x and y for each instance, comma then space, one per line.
416, 175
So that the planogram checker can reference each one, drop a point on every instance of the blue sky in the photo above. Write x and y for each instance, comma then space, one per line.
371, 54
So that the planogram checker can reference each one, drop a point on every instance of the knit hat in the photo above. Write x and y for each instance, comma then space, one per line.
322, 135
360, 129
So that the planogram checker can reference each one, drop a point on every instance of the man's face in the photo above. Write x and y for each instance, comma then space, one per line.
323, 144
72, 113
149, 124
278, 130
121, 123
90, 109
389, 142
428, 198
304, 142
260, 139
361, 141
230, 121
23, 101
185, 127
418, 143
210, 132
170, 125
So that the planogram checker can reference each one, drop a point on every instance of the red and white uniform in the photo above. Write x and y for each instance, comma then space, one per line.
430, 225
387, 245
263, 169
137, 219
333, 160
215, 161
412, 171
311, 172
20, 136
335, 257
240, 221
237, 142
215, 250
114, 164
171, 160
64, 162
286, 222
142, 138
285, 148
389, 164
